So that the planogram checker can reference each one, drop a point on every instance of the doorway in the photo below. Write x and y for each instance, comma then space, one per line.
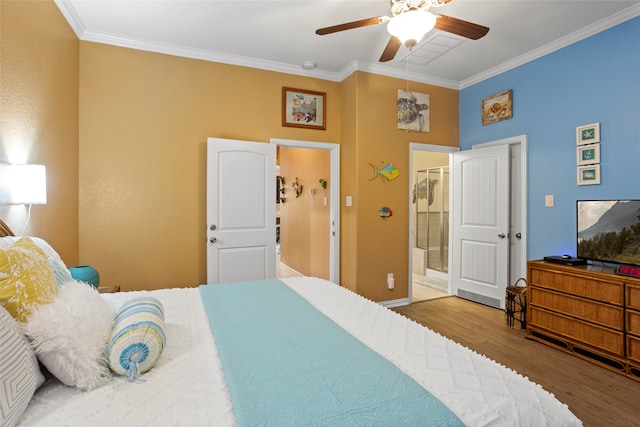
489, 236
516, 261
517, 204
429, 222
431, 197
327, 198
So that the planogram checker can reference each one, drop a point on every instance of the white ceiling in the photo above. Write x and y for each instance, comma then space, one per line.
280, 35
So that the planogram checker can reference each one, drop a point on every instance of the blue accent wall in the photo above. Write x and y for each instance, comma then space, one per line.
594, 80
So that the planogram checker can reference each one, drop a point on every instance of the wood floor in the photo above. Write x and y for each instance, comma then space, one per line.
600, 398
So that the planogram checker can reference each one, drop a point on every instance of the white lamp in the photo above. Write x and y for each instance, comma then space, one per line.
26, 184
409, 27
23, 184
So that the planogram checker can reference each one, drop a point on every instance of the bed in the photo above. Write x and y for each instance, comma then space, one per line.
297, 351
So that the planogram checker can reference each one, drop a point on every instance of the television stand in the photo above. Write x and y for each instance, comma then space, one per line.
593, 315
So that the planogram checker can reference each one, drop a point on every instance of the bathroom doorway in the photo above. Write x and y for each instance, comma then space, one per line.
432, 218
429, 222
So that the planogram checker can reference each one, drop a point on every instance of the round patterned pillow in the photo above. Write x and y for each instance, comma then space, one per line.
137, 338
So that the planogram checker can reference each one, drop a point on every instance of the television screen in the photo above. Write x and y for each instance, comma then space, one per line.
609, 230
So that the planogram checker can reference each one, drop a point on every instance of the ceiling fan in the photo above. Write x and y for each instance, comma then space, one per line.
410, 20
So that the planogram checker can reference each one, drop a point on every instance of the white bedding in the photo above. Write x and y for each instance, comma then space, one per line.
187, 386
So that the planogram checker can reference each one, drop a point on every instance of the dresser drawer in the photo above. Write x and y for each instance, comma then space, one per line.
633, 322
603, 314
633, 296
633, 348
579, 284
594, 335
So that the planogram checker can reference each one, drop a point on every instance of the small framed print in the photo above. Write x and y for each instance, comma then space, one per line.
588, 134
589, 175
303, 108
497, 107
588, 154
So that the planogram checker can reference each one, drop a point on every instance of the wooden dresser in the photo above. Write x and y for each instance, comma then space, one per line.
587, 311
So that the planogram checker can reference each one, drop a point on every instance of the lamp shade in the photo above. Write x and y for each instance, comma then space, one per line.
409, 27
25, 184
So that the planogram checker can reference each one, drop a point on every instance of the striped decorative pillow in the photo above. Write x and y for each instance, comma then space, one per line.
60, 271
138, 338
19, 372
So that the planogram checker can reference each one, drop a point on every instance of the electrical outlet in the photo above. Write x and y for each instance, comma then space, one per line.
548, 200
390, 280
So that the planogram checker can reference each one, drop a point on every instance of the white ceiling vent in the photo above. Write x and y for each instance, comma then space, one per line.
432, 47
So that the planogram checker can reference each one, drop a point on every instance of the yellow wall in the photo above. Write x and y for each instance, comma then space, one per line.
145, 118
39, 116
123, 134
383, 244
348, 183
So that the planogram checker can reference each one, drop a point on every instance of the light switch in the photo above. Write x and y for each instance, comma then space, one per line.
349, 201
548, 200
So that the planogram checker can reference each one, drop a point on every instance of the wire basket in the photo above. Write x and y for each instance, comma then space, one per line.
515, 312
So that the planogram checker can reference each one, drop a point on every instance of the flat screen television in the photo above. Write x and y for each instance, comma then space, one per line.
609, 231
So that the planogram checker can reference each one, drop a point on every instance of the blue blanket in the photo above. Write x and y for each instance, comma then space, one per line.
287, 364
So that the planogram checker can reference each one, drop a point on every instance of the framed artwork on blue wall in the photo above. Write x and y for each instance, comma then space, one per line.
589, 175
588, 134
588, 154
498, 107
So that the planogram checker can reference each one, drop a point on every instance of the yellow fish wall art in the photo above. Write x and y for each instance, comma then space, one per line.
387, 172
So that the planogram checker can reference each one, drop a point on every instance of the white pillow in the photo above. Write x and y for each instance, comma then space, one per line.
70, 335
19, 374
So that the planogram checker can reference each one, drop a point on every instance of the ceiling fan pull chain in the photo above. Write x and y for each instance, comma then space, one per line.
407, 91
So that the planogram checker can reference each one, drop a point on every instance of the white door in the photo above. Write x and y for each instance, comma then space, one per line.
241, 211
480, 253
517, 227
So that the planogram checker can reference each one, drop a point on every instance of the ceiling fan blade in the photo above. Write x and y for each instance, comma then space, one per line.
391, 49
352, 25
462, 28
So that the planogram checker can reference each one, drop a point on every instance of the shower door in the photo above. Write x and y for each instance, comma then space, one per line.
432, 220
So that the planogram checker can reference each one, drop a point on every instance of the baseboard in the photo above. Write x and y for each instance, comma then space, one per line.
395, 303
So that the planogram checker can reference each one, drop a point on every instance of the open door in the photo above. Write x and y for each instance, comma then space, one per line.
241, 211
480, 247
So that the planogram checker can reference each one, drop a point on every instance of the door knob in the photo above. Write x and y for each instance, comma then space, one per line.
502, 235
518, 235
212, 240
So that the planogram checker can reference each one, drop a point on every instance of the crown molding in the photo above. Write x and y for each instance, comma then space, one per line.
206, 55
71, 16
576, 36
79, 28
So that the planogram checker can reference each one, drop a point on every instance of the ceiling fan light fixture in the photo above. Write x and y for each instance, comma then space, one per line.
409, 27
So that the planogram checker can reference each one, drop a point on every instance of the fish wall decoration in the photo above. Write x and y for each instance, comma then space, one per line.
385, 212
387, 172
